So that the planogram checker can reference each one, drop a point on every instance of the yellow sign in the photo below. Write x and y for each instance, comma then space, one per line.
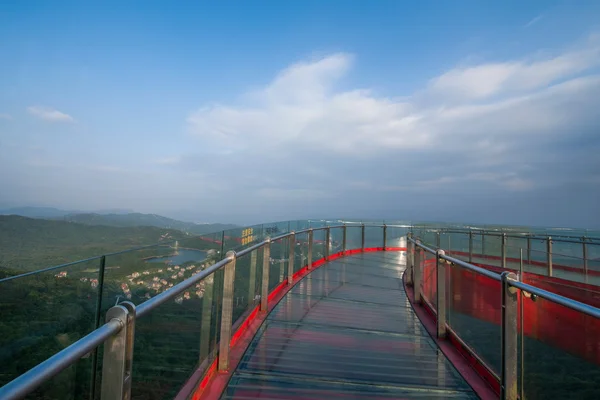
247, 236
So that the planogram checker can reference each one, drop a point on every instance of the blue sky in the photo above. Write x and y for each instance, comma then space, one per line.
474, 111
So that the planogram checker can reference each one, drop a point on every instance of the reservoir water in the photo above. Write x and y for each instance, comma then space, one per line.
185, 255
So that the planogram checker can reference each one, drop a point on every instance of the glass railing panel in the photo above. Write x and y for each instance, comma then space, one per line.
538, 248
247, 284
43, 313
587, 293
458, 246
514, 246
477, 245
336, 240
279, 262
300, 251
428, 237
492, 249
395, 236
373, 236
139, 275
319, 244
445, 241
568, 267
353, 236
474, 311
593, 260
73, 383
561, 357
428, 280
316, 223
567, 247
535, 262
175, 339
168, 342
239, 238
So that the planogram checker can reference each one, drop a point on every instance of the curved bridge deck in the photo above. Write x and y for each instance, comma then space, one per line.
347, 330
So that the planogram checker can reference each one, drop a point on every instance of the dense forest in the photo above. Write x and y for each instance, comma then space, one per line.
27, 244
45, 312
138, 219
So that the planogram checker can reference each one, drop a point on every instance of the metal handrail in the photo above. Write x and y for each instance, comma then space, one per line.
472, 267
118, 325
516, 235
32, 379
150, 304
556, 298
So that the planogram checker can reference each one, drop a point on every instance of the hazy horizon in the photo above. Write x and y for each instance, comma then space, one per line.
236, 113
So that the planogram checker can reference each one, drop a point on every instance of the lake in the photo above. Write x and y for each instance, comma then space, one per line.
185, 255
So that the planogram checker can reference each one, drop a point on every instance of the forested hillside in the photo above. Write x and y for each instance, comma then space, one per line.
138, 219
27, 244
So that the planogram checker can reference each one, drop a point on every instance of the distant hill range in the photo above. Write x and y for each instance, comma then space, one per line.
138, 219
36, 212
51, 212
116, 217
27, 244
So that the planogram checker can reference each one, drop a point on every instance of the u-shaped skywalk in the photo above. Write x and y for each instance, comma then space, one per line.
347, 331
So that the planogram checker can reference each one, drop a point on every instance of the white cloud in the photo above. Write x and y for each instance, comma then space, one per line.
49, 114
533, 21
487, 80
5, 116
489, 115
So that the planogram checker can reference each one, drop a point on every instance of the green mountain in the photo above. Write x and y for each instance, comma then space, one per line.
36, 212
138, 219
27, 244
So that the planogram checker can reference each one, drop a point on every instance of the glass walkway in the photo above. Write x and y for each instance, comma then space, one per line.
346, 331
313, 309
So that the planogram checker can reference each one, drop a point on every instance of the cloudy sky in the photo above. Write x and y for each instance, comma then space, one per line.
474, 111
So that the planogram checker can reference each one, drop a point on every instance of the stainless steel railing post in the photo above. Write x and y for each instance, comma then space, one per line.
362, 237
264, 290
384, 237
409, 259
470, 246
292, 255
252, 278
509, 335
549, 254
441, 294
118, 354
310, 249
344, 240
503, 250
417, 274
207, 302
227, 312
483, 244
327, 240
585, 260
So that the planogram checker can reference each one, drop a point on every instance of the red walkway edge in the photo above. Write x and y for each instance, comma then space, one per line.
206, 382
483, 381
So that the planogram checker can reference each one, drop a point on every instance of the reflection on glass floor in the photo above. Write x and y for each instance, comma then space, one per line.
346, 331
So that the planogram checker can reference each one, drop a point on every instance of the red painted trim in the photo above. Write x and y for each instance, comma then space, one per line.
473, 361
395, 249
213, 384
244, 326
532, 262
206, 379
469, 366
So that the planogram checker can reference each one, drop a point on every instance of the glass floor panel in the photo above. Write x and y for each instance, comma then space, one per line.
337, 335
